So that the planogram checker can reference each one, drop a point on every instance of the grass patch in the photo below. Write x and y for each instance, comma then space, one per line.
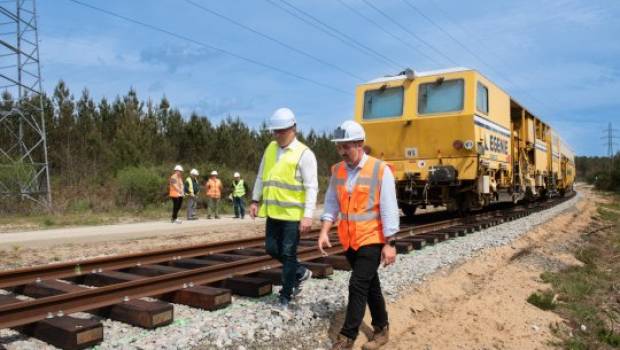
588, 296
543, 300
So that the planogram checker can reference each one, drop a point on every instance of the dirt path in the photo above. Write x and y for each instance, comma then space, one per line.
481, 304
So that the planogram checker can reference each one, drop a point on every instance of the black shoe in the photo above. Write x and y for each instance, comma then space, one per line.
300, 283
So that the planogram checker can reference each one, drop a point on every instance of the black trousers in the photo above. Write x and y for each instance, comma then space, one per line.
176, 206
364, 288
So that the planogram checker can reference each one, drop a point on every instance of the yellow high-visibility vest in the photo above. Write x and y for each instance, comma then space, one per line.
283, 194
239, 189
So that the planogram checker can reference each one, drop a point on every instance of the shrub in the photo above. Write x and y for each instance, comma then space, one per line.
544, 300
139, 186
14, 176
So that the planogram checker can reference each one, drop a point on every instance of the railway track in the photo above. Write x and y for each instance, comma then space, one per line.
202, 276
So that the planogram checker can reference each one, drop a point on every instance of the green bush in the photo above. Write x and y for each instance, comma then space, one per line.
543, 300
15, 175
139, 186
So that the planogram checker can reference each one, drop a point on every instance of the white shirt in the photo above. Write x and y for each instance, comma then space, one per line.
306, 171
388, 205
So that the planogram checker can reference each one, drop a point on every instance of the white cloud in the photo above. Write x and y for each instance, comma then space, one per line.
101, 52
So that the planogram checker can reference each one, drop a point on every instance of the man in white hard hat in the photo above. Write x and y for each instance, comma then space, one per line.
213, 188
362, 192
239, 189
192, 188
176, 192
286, 188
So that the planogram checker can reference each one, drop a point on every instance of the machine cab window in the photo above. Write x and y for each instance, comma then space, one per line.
482, 99
441, 96
383, 103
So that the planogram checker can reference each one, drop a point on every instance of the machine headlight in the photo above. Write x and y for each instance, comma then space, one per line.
469, 145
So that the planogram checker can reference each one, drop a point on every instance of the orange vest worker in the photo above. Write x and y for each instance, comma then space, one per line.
214, 188
175, 186
360, 219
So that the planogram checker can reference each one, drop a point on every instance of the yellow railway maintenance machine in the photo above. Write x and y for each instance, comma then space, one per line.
457, 139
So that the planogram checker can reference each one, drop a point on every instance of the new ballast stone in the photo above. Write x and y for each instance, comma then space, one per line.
250, 323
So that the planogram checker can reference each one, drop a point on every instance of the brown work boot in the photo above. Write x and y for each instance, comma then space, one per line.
343, 343
379, 338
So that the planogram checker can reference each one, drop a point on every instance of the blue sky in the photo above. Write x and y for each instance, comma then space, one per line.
560, 58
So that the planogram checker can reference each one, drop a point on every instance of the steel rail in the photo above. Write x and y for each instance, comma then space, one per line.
75, 268
21, 313
26, 312
22, 276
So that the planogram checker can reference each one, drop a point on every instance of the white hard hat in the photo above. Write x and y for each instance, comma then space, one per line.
349, 131
178, 168
236, 174
214, 173
282, 118
194, 172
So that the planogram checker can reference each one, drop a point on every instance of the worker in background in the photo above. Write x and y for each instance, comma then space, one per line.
192, 188
285, 193
213, 188
362, 191
176, 192
239, 189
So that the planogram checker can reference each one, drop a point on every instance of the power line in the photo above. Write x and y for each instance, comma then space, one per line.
211, 47
464, 47
270, 38
464, 29
406, 30
351, 42
479, 42
380, 27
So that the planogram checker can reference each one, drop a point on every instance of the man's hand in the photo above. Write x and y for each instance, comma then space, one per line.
253, 210
324, 237
324, 241
388, 255
305, 224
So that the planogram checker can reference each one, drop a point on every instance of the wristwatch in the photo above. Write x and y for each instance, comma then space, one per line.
391, 242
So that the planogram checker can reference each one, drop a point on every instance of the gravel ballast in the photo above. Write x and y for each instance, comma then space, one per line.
251, 323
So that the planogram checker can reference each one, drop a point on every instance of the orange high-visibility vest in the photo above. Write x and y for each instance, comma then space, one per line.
175, 186
360, 219
214, 188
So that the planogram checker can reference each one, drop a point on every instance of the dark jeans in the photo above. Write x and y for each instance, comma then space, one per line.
364, 288
176, 206
281, 240
239, 207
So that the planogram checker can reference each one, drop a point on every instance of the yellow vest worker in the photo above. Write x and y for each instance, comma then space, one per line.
285, 194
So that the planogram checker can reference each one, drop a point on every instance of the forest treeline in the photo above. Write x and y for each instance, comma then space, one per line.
118, 154
599, 171
109, 154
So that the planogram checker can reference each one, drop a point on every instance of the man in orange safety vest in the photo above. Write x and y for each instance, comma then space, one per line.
362, 193
213, 189
176, 192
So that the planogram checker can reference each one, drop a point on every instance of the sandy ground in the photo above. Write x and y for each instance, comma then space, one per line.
481, 304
